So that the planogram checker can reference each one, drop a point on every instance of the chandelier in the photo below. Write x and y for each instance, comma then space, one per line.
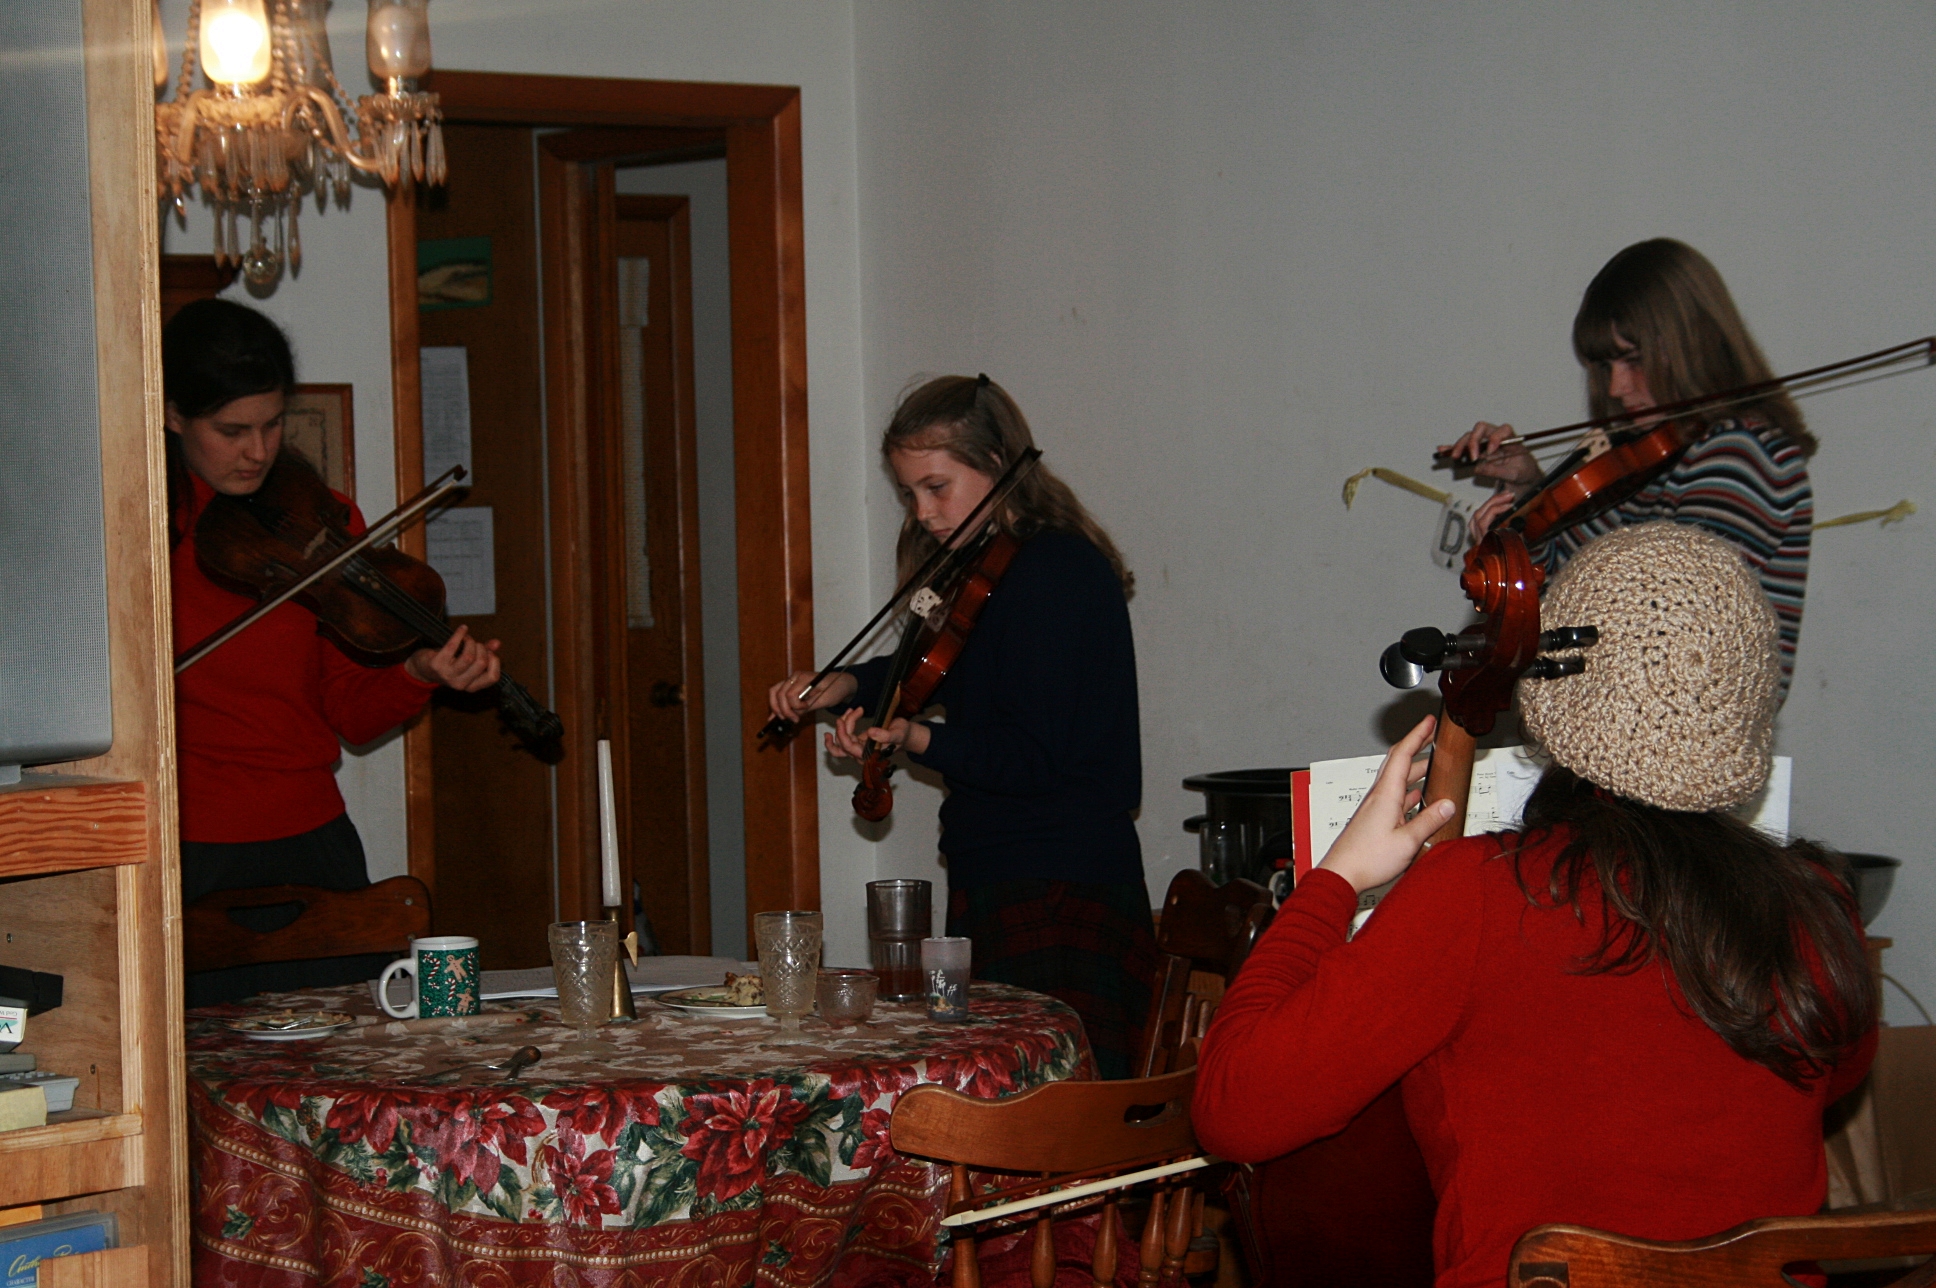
274, 124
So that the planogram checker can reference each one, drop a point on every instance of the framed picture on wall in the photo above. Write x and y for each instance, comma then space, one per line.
317, 423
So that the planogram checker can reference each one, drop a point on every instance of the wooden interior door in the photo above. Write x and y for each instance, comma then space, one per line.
664, 721
495, 874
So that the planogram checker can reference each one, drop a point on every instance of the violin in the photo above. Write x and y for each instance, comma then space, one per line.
378, 605
1599, 475
1611, 457
933, 640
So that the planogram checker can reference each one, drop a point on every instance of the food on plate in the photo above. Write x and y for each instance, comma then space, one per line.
744, 990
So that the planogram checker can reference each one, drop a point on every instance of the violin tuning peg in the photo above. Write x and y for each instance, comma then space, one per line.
1400, 671
1569, 637
1552, 668
1426, 647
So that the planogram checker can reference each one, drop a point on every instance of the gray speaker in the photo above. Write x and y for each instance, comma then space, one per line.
54, 699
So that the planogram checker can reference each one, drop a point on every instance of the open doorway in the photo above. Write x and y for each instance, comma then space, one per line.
490, 823
676, 389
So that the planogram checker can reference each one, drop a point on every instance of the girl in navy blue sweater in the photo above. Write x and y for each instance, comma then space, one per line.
1039, 749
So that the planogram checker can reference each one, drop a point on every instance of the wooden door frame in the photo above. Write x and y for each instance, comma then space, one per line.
759, 127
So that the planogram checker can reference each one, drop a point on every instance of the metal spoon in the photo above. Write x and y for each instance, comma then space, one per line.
520, 1059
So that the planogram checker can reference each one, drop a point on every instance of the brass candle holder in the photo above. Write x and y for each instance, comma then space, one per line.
622, 1008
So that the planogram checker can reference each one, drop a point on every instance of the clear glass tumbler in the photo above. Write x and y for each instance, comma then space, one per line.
789, 945
846, 996
583, 957
946, 959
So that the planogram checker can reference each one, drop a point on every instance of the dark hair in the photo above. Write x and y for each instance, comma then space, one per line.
975, 421
1762, 938
214, 351
1667, 300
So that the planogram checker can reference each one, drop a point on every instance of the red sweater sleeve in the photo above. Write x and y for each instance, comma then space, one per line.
362, 703
1314, 1028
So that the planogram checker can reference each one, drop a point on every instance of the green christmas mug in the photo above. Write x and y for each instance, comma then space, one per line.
443, 976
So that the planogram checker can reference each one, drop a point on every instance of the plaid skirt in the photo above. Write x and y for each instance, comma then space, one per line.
1088, 944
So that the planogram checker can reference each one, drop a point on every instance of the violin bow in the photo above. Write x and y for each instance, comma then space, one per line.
379, 532
957, 541
1876, 365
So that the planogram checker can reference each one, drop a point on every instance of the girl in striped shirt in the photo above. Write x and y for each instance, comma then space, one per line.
1658, 326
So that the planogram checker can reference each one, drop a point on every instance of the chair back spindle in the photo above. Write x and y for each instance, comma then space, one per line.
1058, 1135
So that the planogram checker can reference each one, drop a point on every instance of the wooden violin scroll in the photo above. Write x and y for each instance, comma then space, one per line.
874, 798
1503, 583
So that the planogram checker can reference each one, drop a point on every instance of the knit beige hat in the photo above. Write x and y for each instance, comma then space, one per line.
1676, 706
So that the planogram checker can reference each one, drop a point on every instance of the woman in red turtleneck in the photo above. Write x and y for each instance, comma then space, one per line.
259, 720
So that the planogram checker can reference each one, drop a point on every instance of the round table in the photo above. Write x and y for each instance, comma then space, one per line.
696, 1150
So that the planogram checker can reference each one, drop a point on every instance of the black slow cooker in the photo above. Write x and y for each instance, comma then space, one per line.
1246, 824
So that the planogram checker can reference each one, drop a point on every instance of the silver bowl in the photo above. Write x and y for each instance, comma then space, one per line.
1873, 874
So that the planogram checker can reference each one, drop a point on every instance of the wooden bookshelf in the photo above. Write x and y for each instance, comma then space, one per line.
79, 1152
89, 867
63, 822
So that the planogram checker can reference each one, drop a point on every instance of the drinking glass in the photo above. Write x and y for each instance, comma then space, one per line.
1219, 845
789, 958
946, 959
898, 919
583, 956
846, 996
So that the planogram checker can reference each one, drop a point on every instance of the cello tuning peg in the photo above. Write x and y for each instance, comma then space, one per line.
1569, 637
1552, 668
1400, 671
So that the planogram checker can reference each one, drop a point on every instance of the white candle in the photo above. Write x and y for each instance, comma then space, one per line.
607, 827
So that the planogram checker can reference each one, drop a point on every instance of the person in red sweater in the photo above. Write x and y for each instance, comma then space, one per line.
1631, 1014
258, 721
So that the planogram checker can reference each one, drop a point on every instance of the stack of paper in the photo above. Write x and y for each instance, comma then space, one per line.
1503, 779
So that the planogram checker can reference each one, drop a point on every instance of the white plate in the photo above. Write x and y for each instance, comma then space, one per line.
710, 1001
290, 1026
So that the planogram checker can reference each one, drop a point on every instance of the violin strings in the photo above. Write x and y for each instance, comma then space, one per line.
385, 593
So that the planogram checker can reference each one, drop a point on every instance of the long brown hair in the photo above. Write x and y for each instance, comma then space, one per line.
975, 421
1664, 298
1761, 937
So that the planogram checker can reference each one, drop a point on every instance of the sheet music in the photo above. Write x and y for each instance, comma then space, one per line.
460, 545
446, 399
1503, 779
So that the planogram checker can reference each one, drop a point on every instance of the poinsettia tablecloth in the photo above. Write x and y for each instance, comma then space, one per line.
695, 1152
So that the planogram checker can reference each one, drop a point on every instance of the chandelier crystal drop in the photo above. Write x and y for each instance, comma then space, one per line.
274, 124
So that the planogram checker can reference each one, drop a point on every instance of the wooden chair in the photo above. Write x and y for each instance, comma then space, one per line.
1205, 933
1571, 1256
1076, 1139
1203, 937
379, 918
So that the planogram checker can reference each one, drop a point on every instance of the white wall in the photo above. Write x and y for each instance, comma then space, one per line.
1227, 254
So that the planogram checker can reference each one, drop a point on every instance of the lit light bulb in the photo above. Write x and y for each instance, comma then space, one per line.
398, 39
235, 41
160, 50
